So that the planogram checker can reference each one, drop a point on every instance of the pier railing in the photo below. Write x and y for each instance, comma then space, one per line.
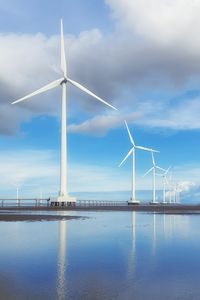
46, 202
23, 202
100, 203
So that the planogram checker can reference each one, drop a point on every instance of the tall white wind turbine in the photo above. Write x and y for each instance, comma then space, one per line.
153, 170
62, 82
133, 199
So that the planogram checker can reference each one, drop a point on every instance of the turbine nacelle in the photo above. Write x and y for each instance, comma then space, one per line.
63, 81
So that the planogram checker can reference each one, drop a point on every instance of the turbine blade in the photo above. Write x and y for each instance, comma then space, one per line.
129, 153
159, 168
41, 90
167, 170
148, 172
153, 160
155, 151
63, 57
167, 182
146, 149
130, 136
143, 148
82, 88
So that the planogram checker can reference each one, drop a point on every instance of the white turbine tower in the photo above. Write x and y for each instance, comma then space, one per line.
133, 199
63, 196
153, 170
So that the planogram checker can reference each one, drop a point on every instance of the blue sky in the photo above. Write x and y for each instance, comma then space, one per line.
143, 58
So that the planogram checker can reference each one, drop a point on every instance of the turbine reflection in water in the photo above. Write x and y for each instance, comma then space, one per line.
61, 267
154, 233
132, 256
133, 232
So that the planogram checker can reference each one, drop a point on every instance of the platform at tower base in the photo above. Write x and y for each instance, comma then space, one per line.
135, 202
63, 201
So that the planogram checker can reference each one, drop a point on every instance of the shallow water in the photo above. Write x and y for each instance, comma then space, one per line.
110, 255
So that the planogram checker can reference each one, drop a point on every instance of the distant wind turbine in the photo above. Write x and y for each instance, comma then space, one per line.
62, 82
171, 187
133, 199
178, 191
164, 181
153, 170
18, 186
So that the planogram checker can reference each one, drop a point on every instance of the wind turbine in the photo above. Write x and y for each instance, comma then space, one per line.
153, 170
172, 190
132, 151
176, 192
17, 186
165, 181
63, 196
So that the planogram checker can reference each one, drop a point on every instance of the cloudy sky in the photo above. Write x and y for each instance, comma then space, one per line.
142, 56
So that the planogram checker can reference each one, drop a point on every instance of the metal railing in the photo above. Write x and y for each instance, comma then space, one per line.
46, 202
100, 203
23, 202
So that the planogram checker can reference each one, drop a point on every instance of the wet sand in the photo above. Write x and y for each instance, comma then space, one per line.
14, 217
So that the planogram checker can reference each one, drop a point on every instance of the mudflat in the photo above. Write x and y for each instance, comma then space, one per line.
14, 217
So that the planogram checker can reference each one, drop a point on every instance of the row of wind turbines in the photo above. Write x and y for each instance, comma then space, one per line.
172, 187
63, 196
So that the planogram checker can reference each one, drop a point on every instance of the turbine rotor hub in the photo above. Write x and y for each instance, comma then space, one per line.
63, 81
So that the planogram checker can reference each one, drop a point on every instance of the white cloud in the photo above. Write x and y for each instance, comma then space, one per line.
182, 115
165, 22
28, 62
186, 186
99, 125
25, 64
159, 51
186, 191
185, 178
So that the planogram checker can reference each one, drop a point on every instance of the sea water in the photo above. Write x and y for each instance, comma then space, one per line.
104, 255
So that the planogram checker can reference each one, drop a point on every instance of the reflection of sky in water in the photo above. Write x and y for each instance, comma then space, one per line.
111, 255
